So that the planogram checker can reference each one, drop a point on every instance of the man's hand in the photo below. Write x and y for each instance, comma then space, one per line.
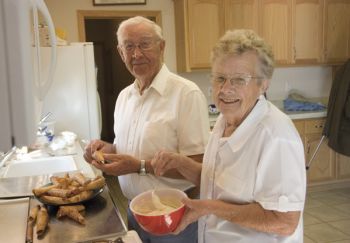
118, 164
95, 145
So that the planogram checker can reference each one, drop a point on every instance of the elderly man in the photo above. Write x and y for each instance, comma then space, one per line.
252, 179
160, 110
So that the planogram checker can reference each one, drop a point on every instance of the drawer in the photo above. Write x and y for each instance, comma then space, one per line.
314, 125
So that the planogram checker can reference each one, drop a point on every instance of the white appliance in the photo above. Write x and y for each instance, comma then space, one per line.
21, 92
73, 98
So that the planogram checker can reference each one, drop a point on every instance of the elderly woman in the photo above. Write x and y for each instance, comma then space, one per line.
252, 179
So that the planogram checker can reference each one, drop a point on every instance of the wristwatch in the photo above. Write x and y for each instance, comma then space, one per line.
143, 171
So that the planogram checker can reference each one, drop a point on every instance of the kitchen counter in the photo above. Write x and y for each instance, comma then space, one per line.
295, 115
103, 221
22, 186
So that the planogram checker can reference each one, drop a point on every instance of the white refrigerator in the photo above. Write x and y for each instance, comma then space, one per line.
73, 98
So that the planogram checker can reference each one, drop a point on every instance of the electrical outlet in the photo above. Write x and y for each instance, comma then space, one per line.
210, 90
286, 87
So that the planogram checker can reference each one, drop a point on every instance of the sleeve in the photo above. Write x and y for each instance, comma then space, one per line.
281, 175
193, 123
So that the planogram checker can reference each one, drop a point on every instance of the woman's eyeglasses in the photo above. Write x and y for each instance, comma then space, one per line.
237, 80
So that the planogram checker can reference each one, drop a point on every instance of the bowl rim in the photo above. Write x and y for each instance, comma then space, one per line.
150, 191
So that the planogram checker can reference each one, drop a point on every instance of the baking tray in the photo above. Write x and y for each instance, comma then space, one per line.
102, 221
13, 219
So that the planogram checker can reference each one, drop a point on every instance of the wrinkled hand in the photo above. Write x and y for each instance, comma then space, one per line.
118, 164
91, 148
194, 210
95, 145
164, 161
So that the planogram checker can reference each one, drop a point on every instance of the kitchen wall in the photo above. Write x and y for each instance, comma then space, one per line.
64, 15
309, 81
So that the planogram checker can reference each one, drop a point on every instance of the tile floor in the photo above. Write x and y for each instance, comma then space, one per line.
327, 215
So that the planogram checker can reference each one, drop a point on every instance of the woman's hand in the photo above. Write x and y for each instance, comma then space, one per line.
194, 210
164, 161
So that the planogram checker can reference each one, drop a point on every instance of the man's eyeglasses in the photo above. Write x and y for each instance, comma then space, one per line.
146, 45
237, 80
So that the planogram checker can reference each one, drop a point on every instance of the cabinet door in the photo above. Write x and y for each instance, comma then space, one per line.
322, 166
300, 126
343, 166
308, 31
276, 28
205, 27
337, 30
241, 14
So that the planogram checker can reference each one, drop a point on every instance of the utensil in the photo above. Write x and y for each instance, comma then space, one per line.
156, 201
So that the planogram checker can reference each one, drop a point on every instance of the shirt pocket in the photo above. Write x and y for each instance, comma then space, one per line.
156, 136
230, 188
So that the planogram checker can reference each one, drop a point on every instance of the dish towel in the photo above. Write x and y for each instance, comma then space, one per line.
296, 102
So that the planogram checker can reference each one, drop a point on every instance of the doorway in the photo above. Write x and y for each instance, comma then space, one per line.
100, 28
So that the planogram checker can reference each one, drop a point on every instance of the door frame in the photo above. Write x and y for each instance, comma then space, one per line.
110, 14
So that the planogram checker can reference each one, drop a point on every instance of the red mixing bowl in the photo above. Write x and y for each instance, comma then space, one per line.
153, 220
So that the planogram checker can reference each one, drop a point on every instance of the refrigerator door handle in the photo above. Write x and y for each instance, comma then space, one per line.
42, 86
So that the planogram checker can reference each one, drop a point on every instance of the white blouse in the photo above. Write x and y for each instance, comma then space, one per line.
263, 162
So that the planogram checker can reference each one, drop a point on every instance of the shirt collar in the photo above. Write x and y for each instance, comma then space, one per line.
158, 84
160, 80
246, 128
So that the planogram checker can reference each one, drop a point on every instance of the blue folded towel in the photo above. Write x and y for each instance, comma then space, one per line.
294, 105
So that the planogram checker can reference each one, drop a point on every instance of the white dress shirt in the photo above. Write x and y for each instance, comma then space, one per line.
262, 161
171, 115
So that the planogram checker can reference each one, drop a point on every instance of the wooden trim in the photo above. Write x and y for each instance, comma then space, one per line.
111, 14
118, 2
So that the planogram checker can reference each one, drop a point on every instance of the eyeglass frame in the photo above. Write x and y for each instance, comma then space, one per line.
237, 84
133, 46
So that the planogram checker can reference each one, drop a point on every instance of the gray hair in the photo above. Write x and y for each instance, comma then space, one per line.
138, 20
240, 41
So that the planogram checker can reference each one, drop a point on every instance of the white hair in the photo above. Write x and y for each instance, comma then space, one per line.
139, 20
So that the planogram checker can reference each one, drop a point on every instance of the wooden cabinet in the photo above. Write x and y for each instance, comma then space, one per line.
301, 32
322, 167
199, 25
343, 166
308, 31
294, 29
327, 165
276, 28
337, 31
242, 14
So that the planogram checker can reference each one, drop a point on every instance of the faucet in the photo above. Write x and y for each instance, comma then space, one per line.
7, 156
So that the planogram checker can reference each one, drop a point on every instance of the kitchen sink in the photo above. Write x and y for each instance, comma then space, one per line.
42, 166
